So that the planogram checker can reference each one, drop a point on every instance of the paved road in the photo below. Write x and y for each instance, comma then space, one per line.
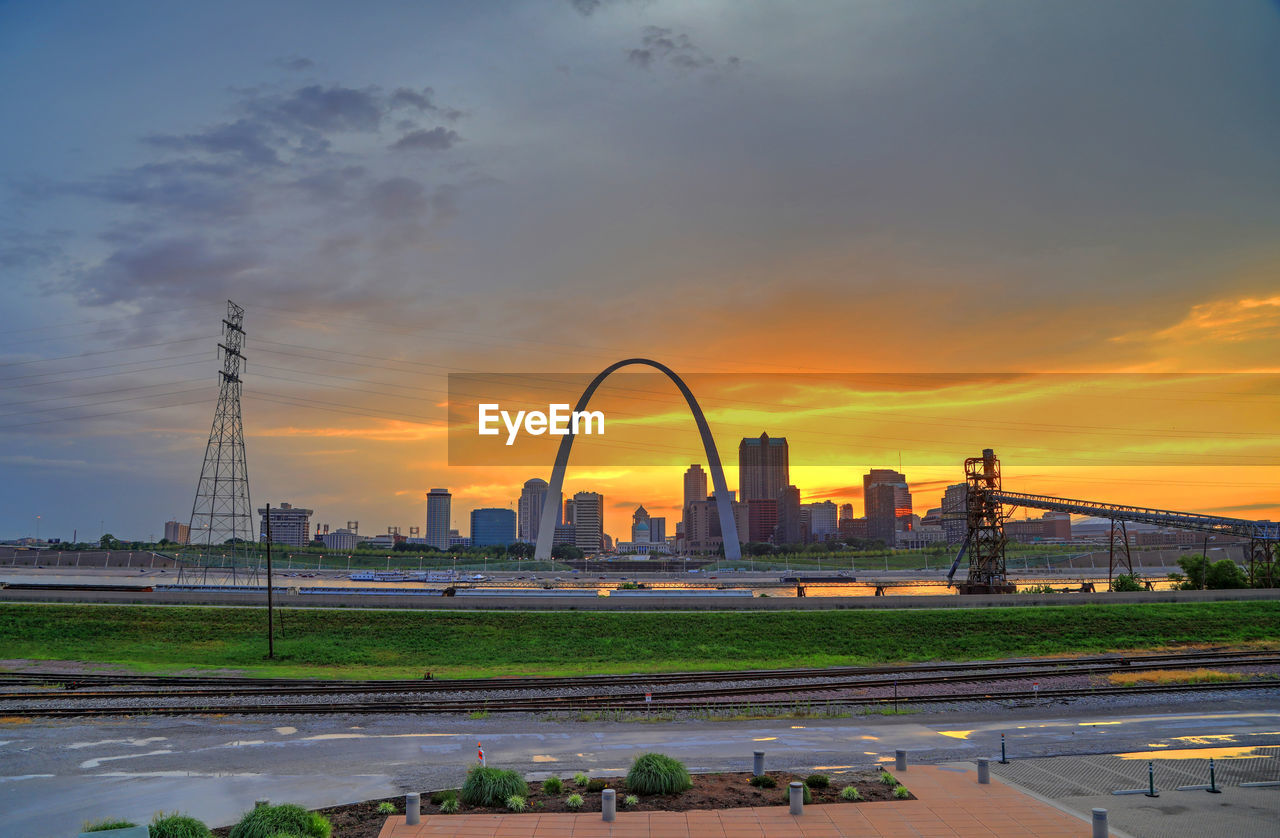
59, 773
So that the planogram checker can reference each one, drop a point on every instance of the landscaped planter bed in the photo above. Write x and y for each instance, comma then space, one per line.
710, 791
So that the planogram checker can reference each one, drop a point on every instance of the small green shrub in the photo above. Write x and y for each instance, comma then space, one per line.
850, 793
573, 801
552, 785
888, 779
515, 803
286, 818
449, 806
581, 778
901, 793
786, 795
1126, 583
105, 824
630, 800
386, 807
658, 774
817, 781
596, 786
763, 781
487, 786
438, 798
178, 826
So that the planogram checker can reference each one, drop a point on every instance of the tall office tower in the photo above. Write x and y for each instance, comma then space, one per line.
695, 484
588, 521
790, 529
493, 527
763, 467
640, 520
657, 530
822, 519
846, 512
702, 530
177, 532
762, 515
439, 511
955, 511
888, 504
532, 497
568, 511
695, 491
289, 525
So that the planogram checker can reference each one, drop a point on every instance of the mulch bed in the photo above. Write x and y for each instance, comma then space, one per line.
710, 791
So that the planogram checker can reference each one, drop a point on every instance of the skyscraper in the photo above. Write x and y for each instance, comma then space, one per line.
822, 519
439, 503
532, 497
790, 528
887, 501
695, 484
657, 530
588, 521
955, 510
846, 512
492, 527
763, 467
763, 519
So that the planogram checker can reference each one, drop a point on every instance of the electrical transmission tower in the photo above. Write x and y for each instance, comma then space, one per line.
222, 516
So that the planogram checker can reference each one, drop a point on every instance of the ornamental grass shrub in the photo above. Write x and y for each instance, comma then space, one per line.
487, 786
178, 826
658, 774
283, 819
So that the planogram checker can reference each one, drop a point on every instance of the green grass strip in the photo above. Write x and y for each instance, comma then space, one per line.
404, 644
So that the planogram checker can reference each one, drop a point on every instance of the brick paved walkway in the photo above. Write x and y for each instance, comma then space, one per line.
950, 803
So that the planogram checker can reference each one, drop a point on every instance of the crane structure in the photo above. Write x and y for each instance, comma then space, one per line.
985, 541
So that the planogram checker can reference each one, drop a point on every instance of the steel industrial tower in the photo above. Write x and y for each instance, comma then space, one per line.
222, 511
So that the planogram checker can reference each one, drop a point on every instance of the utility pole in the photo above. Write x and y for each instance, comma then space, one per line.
271, 640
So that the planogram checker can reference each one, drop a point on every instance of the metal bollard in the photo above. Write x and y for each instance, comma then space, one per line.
1099, 823
899, 760
412, 808
1004, 760
1213, 780
757, 763
797, 798
609, 804
984, 771
258, 804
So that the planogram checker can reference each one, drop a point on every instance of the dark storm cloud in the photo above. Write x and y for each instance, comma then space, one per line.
171, 267
436, 139
662, 45
398, 198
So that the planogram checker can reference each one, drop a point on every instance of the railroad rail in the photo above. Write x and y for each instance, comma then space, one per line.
495, 694
618, 703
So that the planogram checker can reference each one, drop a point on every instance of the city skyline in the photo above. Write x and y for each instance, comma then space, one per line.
386, 216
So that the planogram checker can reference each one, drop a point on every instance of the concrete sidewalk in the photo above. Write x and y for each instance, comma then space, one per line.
949, 804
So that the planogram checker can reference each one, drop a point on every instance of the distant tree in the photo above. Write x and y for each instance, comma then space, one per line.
521, 550
1199, 573
1126, 583
109, 542
566, 552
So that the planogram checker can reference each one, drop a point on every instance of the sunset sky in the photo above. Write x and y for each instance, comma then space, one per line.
837, 203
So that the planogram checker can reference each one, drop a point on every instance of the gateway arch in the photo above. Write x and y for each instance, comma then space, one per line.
728, 527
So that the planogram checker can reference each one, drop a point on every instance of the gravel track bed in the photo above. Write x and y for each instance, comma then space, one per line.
841, 694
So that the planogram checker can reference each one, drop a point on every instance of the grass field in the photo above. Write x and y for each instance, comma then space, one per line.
405, 644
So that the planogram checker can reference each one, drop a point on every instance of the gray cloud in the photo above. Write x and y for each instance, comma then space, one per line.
324, 109
662, 45
245, 138
331, 184
172, 267
296, 63
436, 139
398, 198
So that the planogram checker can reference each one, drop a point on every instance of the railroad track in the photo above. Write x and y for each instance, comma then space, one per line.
211, 686
623, 704
495, 694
